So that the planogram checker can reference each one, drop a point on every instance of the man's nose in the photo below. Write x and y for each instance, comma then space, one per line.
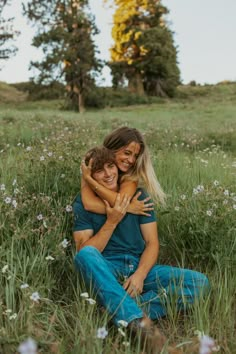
107, 172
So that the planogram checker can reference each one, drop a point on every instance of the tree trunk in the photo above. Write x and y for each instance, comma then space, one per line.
136, 84
81, 105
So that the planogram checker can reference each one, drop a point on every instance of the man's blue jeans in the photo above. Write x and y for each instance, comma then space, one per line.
106, 275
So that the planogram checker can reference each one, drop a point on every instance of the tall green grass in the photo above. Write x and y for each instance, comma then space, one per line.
194, 154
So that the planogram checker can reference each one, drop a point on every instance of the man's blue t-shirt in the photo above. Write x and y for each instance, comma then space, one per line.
126, 238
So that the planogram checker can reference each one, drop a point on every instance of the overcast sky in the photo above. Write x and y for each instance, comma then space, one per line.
204, 34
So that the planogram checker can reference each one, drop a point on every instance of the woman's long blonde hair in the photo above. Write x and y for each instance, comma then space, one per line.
143, 170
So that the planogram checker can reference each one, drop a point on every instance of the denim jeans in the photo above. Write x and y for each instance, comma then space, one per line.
106, 275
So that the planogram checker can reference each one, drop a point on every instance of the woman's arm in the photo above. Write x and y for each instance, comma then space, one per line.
126, 187
93, 194
91, 201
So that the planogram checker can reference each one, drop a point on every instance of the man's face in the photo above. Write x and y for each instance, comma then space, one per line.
107, 176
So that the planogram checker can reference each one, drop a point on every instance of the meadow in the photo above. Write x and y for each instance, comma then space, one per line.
193, 145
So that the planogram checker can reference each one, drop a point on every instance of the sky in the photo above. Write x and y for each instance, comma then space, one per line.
204, 33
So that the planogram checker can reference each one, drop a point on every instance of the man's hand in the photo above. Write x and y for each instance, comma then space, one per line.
140, 207
134, 284
116, 214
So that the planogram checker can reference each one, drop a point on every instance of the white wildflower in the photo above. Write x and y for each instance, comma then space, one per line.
64, 243
102, 333
183, 196
29, 148
8, 311
7, 200
14, 182
50, 154
234, 206
225, 201
226, 192
13, 317
24, 286
14, 203
2, 187
122, 323
35, 296
200, 188
206, 345
177, 208
42, 158
49, 258
126, 344
69, 208
29, 346
5, 268
214, 205
195, 191
209, 212
40, 217
86, 295
216, 183
91, 301
60, 157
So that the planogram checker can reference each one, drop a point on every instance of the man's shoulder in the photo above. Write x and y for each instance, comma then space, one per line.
143, 194
78, 205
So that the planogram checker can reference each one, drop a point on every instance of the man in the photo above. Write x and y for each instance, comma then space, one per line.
117, 254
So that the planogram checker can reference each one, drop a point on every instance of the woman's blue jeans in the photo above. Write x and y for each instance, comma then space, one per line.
162, 284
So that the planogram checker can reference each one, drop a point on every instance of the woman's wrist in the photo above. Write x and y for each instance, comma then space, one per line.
94, 185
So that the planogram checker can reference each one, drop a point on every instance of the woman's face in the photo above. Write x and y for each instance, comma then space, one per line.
127, 156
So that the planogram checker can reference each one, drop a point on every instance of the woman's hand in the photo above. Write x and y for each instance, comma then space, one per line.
140, 207
86, 170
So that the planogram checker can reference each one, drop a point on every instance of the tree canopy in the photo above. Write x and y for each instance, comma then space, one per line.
143, 51
65, 31
7, 34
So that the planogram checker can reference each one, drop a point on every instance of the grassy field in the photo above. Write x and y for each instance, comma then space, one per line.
193, 146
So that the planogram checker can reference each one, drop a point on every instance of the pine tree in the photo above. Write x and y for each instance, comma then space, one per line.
144, 52
7, 34
65, 35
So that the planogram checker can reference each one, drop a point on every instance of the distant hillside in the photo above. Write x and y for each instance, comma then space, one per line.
9, 94
223, 91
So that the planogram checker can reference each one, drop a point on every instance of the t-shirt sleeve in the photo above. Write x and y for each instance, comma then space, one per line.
82, 219
142, 218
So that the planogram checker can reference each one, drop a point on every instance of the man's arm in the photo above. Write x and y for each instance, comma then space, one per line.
100, 239
134, 284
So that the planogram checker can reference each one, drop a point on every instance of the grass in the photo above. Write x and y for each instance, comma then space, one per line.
192, 142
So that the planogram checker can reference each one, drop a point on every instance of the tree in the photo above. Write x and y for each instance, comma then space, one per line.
65, 35
143, 52
7, 34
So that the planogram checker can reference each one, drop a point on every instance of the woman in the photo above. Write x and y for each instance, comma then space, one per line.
135, 168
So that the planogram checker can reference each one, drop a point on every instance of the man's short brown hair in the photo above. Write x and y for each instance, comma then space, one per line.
100, 156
